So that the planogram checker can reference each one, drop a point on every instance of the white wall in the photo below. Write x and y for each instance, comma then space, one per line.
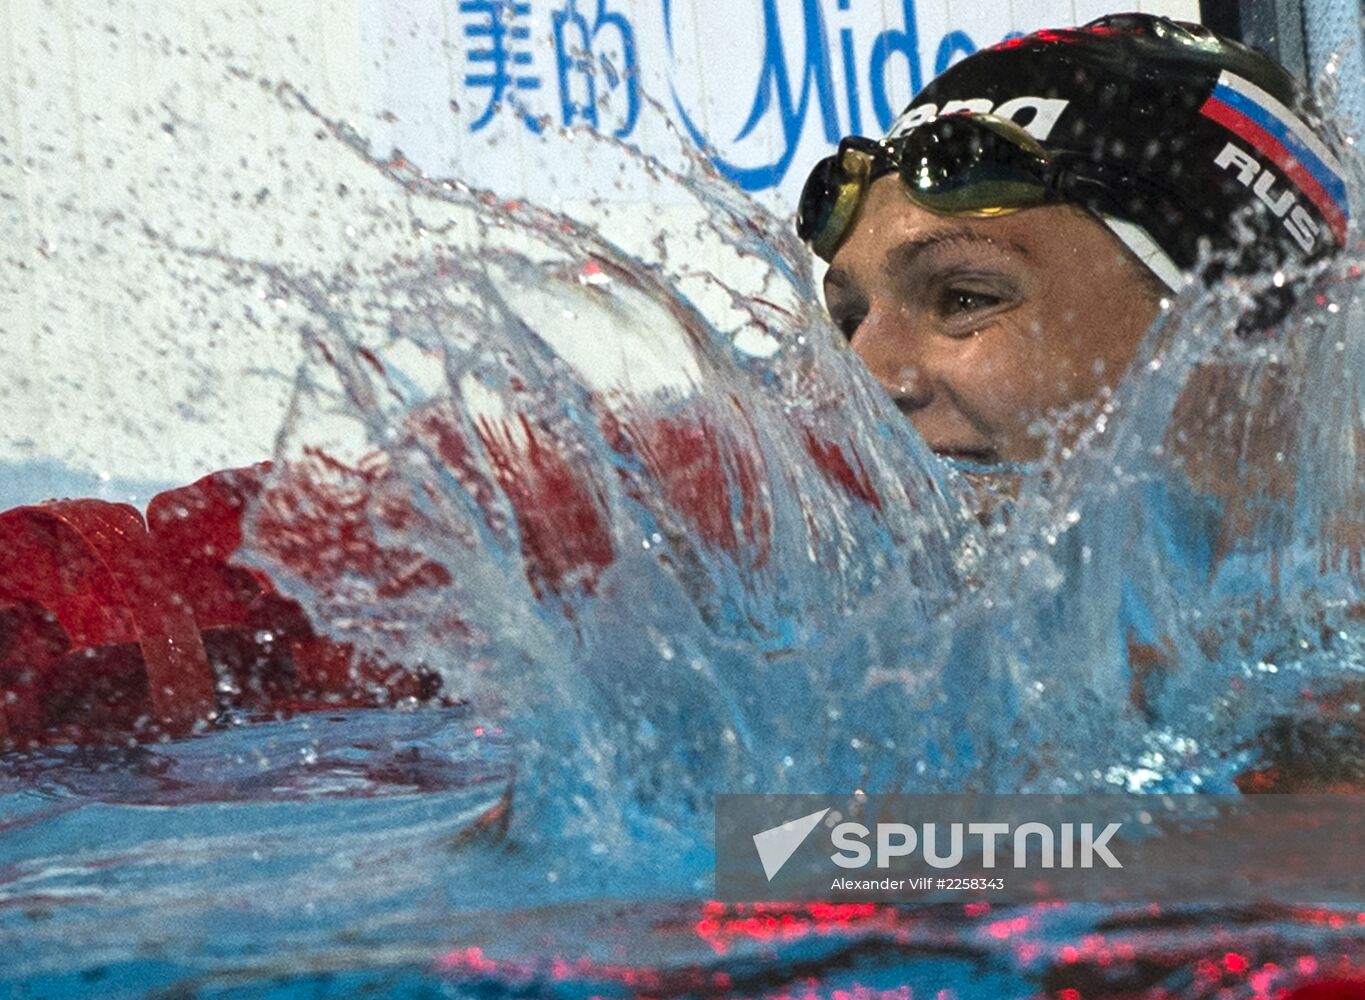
127, 126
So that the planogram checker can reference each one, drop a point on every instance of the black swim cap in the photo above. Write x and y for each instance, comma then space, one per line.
1221, 147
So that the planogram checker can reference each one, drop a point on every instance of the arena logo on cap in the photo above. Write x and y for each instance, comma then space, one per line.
1277, 134
1036, 115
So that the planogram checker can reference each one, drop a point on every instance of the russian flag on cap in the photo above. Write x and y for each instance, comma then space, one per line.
1281, 137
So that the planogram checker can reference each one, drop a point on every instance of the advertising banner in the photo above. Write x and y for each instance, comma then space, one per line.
474, 87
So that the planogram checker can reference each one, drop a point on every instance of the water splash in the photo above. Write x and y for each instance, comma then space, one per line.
586, 501
639, 507
653, 518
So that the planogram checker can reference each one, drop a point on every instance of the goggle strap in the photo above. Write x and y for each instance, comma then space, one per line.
1145, 249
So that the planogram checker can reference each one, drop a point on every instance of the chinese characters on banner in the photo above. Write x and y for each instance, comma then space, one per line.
499, 52
763, 86
498, 33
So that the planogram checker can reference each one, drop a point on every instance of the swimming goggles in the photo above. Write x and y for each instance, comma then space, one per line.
974, 165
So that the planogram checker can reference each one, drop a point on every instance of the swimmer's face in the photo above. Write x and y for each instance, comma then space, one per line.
988, 333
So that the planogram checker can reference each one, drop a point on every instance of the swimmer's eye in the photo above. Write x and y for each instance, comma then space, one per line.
959, 301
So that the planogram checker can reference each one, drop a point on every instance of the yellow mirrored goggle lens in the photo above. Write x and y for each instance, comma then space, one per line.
852, 176
963, 165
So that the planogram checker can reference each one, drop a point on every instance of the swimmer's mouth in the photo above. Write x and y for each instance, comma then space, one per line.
975, 461
968, 456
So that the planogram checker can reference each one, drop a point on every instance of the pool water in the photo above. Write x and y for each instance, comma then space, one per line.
689, 547
368, 854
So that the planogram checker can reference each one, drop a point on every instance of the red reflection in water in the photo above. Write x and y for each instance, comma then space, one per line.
1144, 953
722, 924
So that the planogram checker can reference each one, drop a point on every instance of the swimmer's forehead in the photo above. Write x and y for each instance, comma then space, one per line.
1194, 124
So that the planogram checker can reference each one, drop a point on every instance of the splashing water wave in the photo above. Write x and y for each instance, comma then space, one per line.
651, 520
683, 552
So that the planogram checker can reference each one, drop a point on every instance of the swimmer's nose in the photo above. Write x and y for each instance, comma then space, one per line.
909, 388
891, 354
